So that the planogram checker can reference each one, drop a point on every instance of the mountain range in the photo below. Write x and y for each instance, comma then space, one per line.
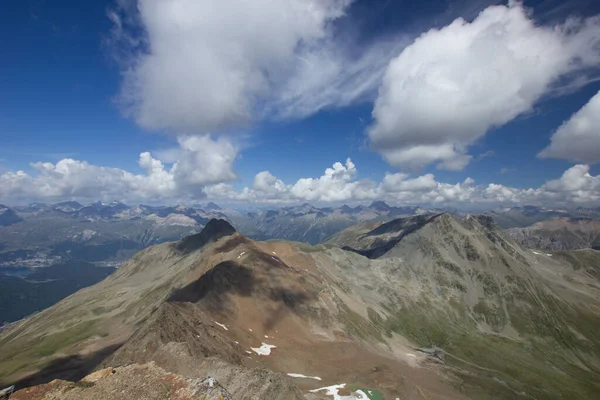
561, 233
431, 306
115, 231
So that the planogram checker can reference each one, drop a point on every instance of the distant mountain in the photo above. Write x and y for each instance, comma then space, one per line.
560, 234
8, 216
67, 206
32, 208
306, 223
450, 304
115, 231
520, 217
92, 232
380, 206
212, 206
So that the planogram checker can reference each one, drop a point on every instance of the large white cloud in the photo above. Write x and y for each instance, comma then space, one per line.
452, 85
203, 66
578, 139
200, 161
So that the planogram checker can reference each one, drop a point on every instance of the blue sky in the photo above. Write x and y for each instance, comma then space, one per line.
63, 83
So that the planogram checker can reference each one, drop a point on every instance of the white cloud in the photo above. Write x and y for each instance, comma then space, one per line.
578, 139
452, 85
339, 184
201, 161
265, 182
336, 184
329, 76
576, 185
204, 66
394, 183
73, 179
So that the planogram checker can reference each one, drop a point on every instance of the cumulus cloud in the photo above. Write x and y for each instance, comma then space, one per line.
199, 66
73, 179
200, 161
578, 139
336, 184
340, 184
452, 85
265, 182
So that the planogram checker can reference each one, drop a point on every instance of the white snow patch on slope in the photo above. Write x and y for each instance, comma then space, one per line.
333, 391
221, 325
264, 349
241, 254
303, 376
87, 234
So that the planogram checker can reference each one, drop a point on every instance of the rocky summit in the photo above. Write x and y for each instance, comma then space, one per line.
424, 307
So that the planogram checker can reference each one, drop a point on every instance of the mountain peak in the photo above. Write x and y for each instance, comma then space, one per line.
213, 231
212, 206
73, 204
380, 205
8, 216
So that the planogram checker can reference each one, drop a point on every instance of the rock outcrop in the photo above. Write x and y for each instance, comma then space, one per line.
142, 382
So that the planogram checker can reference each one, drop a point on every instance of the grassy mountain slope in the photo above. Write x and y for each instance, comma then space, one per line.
514, 323
511, 323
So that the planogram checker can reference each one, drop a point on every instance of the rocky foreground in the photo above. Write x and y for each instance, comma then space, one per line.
143, 382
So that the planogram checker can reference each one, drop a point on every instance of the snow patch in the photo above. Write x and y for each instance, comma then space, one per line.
241, 254
333, 391
303, 376
87, 234
250, 329
274, 253
264, 349
410, 355
221, 325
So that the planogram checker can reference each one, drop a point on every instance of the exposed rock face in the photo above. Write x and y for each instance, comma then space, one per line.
6, 392
214, 230
143, 382
560, 234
